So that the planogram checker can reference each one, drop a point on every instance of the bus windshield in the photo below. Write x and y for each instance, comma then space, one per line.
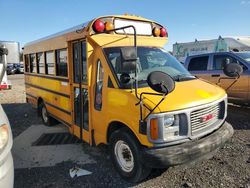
150, 59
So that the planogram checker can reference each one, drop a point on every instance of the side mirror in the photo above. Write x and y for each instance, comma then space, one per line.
161, 82
125, 78
129, 53
232, 70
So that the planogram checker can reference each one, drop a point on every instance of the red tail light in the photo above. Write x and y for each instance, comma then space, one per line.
163, 32
98, 26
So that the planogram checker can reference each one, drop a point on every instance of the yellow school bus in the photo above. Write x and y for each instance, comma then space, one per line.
110, 81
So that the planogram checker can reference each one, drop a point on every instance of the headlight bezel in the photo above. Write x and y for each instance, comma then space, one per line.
163, 131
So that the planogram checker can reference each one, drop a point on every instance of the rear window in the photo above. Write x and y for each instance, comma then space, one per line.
198, 63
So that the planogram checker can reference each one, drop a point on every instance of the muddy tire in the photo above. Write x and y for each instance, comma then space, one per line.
125, 155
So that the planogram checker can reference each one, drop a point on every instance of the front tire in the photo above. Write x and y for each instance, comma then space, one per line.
125, 154
46, 118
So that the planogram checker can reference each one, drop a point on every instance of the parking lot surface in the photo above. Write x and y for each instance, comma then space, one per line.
230, 167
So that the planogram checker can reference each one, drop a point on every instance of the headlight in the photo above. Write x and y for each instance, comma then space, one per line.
168, 120
171, 127
4, 137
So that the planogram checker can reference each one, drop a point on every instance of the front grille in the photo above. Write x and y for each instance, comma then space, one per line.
204, 117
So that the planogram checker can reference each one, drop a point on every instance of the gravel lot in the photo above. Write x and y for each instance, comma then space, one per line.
230, 167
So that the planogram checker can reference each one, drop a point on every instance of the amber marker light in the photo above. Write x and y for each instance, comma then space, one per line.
108, 26
154, 129
156, 32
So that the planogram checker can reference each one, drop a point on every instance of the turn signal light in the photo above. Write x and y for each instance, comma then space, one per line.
154, 129
109, 26
156, 32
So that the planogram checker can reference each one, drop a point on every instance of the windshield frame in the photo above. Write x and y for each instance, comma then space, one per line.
122, 86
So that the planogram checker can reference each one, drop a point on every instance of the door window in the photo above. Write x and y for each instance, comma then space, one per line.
198, 64
79, 50
99, 86
221, 60
78, 100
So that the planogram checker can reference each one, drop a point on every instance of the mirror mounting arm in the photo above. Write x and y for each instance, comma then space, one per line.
151, 110
229, 78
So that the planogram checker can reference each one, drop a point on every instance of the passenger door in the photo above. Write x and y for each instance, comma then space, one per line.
199, 66
238, 90
80, 90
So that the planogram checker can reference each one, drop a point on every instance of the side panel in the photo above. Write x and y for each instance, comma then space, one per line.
54, 93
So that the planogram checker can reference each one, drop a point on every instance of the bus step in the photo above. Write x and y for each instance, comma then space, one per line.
56, 139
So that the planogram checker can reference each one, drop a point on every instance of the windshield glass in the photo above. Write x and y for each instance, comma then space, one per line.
149, 59
245, 56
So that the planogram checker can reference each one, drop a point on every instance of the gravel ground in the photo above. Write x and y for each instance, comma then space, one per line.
230, 167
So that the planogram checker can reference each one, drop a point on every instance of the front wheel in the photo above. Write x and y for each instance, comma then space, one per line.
125, 154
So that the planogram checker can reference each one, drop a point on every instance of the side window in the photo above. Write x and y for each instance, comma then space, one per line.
40, 63
99, 86
221, 60
49, 63
84, 62
61, 63
198, 64
79, 51
33, 67
27, 63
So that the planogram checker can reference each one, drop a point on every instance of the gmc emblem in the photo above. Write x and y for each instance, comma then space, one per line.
206, 118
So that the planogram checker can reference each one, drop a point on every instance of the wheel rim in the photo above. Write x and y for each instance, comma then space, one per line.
124, 156
44, 114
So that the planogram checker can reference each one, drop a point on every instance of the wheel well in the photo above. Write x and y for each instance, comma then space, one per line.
39, 101
116, 125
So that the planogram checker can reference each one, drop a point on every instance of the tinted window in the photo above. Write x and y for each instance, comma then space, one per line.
198, 63
40, 63
61, 63
33, 67
221, 60
50, 63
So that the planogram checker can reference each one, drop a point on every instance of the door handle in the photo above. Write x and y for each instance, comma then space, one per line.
215, 75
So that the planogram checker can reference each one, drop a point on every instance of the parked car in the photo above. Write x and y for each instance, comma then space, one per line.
11, 69
209, 67
19, 68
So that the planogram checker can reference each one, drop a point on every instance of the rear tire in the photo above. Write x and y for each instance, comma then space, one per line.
125, 155
46, 118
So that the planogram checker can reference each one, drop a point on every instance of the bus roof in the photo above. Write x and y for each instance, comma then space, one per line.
85, 25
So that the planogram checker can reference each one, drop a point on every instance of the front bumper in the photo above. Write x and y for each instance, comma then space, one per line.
7, 172
188, 152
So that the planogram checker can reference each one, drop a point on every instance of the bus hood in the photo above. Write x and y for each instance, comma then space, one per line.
187, 94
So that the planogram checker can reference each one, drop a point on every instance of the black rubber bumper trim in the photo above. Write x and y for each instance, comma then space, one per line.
188, 152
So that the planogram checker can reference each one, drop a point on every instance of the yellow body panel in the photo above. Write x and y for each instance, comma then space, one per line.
119, 105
